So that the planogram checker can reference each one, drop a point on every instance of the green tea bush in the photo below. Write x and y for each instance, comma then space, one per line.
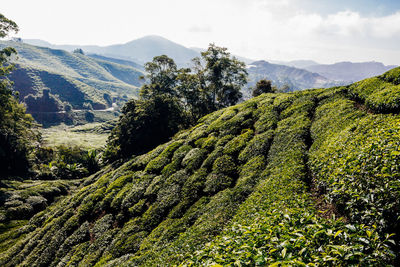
258, 146
296, 237
224, 164
380, 94
194, 158
234, 146
252, 180
359, 168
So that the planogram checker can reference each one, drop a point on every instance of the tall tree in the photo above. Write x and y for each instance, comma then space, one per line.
224, 76
16, 136
152, 119
191, 94
174, 98
161, 76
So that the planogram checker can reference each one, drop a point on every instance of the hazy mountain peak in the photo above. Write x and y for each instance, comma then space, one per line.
350, 71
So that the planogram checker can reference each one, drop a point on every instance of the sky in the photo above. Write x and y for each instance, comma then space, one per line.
321, 30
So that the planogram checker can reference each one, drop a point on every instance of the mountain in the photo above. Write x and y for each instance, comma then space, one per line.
118, 61
141, 50
301, 64
305, 178
280, 75
72, 78
244, 59
349, 71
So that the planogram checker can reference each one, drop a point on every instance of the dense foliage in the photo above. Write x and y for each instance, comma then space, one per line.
173, 99
307, 178
263, 86
16, 135
143, 125
63, 162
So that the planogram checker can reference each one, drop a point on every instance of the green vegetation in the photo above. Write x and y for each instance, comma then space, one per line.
173, 99
43, 103
17, 138
21, 200
301, 179
263, 86
71, 79
70, 136
62, 162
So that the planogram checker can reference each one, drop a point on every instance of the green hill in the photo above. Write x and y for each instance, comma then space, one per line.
280, 75
306, 178
74, 77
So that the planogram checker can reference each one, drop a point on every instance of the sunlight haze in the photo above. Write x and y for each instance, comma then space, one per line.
324, 31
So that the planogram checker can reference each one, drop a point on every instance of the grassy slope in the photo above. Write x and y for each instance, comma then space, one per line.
64, 73
88, 136
245, 178
20, 200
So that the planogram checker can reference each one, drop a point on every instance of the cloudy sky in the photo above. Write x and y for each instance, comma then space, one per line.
322, 30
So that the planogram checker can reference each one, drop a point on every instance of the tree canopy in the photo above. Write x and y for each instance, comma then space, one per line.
16, 136
175, 98
224, 76
263, 86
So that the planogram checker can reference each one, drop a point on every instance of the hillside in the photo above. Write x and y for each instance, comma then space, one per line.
118, 61
141, 50
71, 79
74, 77
297, 79
349, 71
306, 178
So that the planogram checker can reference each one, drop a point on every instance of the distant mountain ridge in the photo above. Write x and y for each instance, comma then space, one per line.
349, 71
297, 74
144, 49
95, 73
280, 75
141, 50
301, 64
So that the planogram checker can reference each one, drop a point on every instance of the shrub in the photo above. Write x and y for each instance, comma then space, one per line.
194, 158
225, 165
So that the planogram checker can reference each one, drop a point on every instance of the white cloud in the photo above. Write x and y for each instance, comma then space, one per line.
259, 29
200, 29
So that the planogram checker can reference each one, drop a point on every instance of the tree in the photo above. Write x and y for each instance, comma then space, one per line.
78, 51
161, 75
263, 86
193, 99
7, 26
143, 125
223, 76
16, 135
175, 98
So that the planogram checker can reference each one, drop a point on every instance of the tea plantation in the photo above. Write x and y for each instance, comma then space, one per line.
310, 178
